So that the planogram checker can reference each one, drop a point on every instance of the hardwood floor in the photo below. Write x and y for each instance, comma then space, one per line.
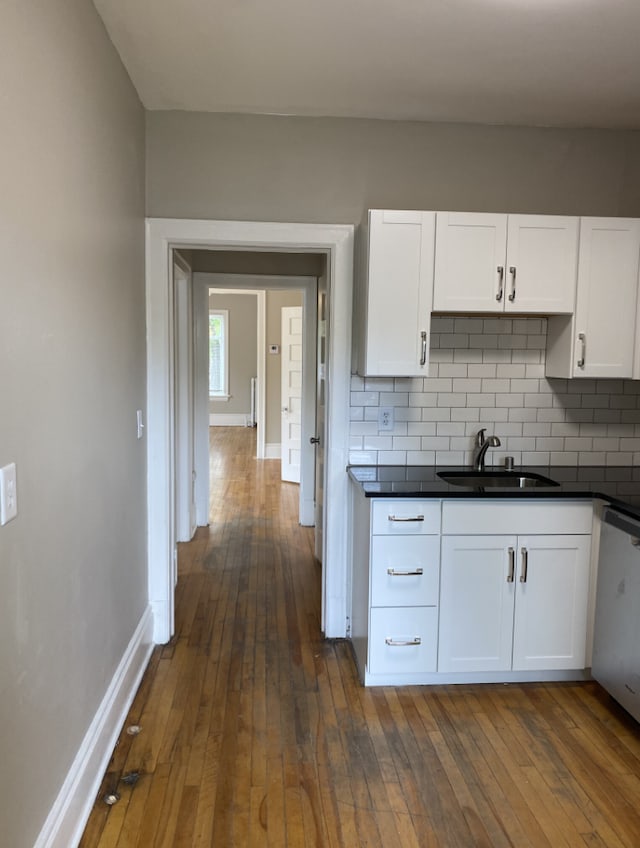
256, 732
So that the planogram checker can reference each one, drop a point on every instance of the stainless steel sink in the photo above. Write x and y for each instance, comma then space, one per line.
496, 479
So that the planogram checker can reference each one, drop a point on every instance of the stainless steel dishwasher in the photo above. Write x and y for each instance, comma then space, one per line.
616, 645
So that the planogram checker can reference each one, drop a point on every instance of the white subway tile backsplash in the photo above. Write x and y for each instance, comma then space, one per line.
481, 399
450, 458
619, 459
365, 399
435, 414
535, 457
452, 399
469, 325
451, 369
377, 443
539, 429
379, 384
435, 443
422, 399
407, 443
489, 372
528, 414
449, 428
394, 398
591, 458
465, 414
421, 458
466, 385
492, 415
509, 399
422, 428
486, 369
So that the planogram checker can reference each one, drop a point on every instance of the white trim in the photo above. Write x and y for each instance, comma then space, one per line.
272, 450
67, 818
336, 241
228, 419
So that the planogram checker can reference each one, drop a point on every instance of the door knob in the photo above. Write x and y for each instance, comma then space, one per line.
314, 440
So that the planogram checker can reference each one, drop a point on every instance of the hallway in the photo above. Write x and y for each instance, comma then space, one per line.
256, 732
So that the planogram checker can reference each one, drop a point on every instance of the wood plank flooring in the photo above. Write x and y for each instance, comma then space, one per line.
256, 732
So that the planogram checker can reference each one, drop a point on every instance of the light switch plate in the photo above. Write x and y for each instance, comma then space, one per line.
8, 493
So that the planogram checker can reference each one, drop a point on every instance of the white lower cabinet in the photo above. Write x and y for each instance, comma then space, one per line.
513, 603
396, 586
441, 593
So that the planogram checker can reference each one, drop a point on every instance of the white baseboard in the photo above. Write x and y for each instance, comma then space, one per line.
272, 450
229, 419
67, 819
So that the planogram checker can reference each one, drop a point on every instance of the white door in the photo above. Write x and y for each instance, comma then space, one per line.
476, 603
291, 393
542, 264
552, 588
470, 272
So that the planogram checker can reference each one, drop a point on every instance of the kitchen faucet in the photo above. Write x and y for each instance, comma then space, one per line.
482, 446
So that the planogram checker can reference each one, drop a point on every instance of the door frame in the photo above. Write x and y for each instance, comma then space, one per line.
336, 242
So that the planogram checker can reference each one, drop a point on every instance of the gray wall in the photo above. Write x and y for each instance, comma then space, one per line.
247, 167
72, 372
243, 353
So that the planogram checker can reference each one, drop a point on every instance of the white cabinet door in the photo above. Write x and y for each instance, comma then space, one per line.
606, 299
470, 262
542, 260
505, 263
396, 315
476, 603
552, 588
599, 340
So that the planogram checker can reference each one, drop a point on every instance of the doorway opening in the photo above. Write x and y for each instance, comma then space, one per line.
261, 368
334, 243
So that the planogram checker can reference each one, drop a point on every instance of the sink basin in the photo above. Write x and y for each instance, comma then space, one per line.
496, 479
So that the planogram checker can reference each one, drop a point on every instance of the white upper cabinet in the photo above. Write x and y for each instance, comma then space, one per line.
505, 263
599, 340
393, 306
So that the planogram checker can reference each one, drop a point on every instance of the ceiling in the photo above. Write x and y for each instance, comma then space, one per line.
533, 62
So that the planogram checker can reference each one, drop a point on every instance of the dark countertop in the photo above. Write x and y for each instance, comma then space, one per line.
620, 486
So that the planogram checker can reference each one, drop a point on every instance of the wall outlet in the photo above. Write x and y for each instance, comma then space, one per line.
8, 493
385, 418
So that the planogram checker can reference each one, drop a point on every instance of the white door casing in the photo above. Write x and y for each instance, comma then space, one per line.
184, 402
336, 242
291, 393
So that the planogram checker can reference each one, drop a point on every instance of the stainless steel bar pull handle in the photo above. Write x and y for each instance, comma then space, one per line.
512, 271
406, 518
500, 283
512, 565
423, 348
417, 572
402, 643
582, 338
525, 565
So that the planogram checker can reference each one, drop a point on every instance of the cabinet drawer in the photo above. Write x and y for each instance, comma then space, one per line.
403, 640
489, 517
405, 518
405, 571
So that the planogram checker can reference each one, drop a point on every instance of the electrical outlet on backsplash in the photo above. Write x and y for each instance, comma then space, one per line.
489, 372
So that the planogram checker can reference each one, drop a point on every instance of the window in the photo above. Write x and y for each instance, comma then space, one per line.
219, 353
